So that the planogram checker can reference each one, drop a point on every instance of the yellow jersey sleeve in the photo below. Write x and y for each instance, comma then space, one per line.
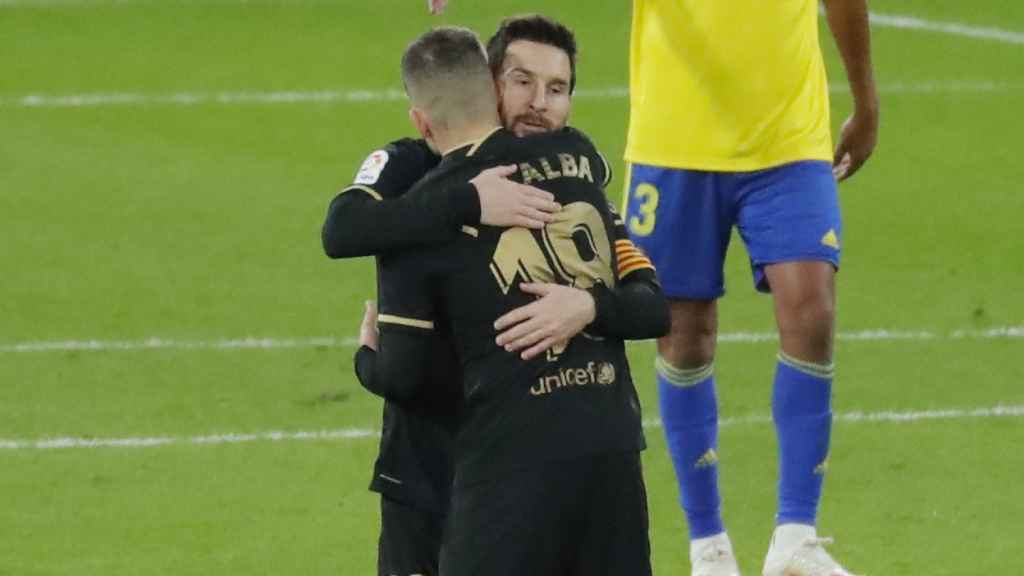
727, 85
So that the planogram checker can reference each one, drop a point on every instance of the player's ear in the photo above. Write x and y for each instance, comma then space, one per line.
421, 122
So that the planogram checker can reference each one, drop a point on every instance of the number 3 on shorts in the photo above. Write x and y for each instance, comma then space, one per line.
642, 223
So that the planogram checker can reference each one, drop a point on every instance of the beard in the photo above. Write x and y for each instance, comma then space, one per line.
528, 123
532, 124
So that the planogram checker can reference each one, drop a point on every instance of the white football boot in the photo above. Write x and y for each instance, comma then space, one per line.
712, 556
796, 550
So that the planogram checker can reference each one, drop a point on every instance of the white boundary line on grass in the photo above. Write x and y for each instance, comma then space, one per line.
156, 343
998, 411
356, 96
907, 22
272, 436
253, 343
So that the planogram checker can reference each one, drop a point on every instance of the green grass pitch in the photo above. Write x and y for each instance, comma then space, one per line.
181, 205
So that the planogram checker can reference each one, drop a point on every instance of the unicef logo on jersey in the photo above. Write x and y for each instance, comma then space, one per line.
602, 374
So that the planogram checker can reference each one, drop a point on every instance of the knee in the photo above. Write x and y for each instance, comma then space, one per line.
804, 294
806, 330
691, 341
813, 316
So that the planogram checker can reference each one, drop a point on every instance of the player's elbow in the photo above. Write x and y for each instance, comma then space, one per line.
661, 323
648, 314
378, 380
395, 383
401, 391
340, 241
340, 232
333, 246
653, 319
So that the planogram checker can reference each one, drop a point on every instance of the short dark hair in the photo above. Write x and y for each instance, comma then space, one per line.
533, 28
445, 70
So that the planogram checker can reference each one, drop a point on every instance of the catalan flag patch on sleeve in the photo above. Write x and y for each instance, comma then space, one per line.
630, 258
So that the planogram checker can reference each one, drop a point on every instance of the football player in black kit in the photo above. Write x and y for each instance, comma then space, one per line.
547, 465
533, 62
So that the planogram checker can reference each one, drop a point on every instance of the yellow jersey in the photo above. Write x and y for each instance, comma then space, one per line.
727, 85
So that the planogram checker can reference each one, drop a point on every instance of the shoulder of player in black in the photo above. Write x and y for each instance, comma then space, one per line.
391, 171
563, 153
470, 155
493, 142
502, 142
414, 150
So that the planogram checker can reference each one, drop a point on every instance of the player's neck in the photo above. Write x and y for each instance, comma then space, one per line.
454, 139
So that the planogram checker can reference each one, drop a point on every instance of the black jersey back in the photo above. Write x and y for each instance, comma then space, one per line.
570, 402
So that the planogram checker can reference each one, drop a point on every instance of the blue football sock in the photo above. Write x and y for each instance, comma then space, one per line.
689, 413
802, 411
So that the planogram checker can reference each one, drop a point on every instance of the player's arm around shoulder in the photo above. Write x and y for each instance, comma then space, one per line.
635, 308
390, 206
353, 224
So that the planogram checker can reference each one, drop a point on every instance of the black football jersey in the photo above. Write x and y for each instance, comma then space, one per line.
572, 401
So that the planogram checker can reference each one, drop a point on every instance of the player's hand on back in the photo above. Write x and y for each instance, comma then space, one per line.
856, 143
504, 202
561, 313
368, 335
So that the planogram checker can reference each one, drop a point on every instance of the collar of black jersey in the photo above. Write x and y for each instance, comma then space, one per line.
473, 147
494, 138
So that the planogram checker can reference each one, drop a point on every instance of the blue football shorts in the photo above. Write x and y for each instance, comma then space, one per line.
683, 220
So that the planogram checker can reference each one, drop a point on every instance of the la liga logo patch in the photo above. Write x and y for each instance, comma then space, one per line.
370, 171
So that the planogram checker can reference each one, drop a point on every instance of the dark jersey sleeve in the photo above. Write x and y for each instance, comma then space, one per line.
636, 308
405, 319
374, 214
397, 369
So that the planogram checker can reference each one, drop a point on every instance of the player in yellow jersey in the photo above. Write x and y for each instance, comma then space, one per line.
729, 126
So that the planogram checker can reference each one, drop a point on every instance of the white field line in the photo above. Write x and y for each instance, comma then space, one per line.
249, 343
255, 97
998, 411
950, 28
252, 343
273, 436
